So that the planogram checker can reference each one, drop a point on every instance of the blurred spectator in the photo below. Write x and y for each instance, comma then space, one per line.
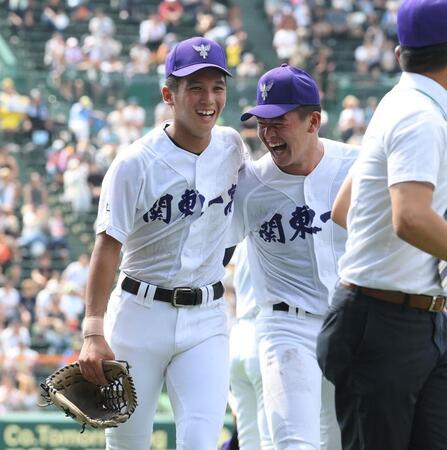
73, 59
21, 358
371, 105
57, 160
20, 15
351, 118
233, 49
7, 251
9, 190
9, 394
388, 60
54, 16
28, 390
171, 12
42, 271
152, 31
35, 191
248, 67
367, 56
72, 305
81, 118
101, 24
51, 327
37, 118
12, 107
57, 231
34, 235
134, 115
76, 272
76, 190
27, 307
324, 67
285, 38
54, 57
8, 161
140, 61
9, 300
14, 274
94, 179
14, 334
388, 23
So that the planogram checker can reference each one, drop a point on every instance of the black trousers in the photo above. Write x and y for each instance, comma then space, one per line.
389, 367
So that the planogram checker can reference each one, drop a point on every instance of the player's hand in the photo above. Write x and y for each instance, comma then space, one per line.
94, 350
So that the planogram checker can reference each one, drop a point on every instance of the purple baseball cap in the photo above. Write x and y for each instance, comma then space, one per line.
194, 54
281, 90
421, 23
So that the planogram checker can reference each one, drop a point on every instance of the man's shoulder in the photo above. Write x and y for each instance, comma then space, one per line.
150, 147
227, 135
340, 150
255, 173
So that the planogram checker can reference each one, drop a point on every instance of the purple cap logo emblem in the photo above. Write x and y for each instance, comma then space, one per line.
265, 88
202, 50
281, 90
194, 54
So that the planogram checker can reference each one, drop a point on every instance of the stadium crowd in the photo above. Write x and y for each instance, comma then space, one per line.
41, 307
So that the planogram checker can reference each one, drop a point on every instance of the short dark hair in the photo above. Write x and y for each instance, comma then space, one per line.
172, 83
423, 59
306, 110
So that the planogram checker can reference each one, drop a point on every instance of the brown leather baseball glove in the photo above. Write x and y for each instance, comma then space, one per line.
89, 404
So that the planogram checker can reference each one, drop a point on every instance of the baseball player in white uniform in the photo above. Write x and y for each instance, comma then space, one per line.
167, 203
245, 372
283, 206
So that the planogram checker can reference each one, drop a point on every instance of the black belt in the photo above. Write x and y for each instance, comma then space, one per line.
181, 296
283, 307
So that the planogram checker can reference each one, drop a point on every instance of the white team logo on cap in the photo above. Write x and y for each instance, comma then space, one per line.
265, 88
202, 49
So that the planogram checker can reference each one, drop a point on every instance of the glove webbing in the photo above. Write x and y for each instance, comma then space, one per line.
113, 396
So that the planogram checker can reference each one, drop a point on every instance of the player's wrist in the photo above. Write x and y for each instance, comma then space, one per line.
93, 326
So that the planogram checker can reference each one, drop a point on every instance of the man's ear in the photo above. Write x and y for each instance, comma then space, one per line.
315, 122
167, 96
397, 52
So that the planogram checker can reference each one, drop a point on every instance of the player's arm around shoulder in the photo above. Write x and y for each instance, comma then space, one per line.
103, 267
233, 139
414, 219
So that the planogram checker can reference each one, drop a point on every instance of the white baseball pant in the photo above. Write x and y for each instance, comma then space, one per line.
246, 388
186, 347
292, 382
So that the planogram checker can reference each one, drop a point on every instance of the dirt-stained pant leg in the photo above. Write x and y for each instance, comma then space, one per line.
291, 378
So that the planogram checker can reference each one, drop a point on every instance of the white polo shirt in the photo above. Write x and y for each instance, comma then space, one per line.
293, 244
405, 141
171, 208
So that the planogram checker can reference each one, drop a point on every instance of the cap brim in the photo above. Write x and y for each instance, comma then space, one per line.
196, 67
268, 111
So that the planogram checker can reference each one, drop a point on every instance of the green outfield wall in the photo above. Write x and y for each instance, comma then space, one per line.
54, 431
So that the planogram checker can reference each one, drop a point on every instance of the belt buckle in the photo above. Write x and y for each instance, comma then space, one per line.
437, 303
179, 292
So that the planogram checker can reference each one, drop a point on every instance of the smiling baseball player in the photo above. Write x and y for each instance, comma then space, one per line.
283, 206
167, 203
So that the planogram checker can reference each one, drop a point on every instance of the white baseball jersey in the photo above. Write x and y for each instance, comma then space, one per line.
245, 298
406, 141
294, 246
171, 208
